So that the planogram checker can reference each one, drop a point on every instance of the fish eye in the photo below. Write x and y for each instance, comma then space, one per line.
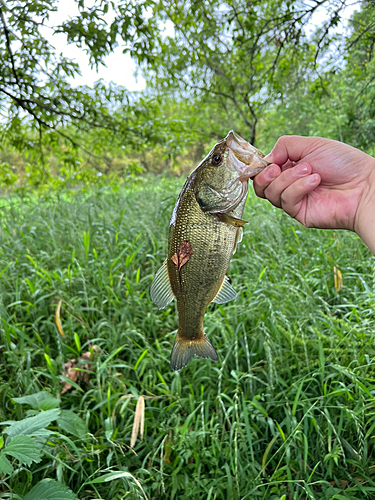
216, 160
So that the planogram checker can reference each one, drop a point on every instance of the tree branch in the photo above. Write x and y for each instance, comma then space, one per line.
7, 41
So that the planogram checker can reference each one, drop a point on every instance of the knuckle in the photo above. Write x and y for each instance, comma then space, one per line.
258, 189
283, 200
283, 139
272, 198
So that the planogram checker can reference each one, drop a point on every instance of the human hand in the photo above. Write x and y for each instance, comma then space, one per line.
321, 183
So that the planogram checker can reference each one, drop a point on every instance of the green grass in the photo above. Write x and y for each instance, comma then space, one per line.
287, 413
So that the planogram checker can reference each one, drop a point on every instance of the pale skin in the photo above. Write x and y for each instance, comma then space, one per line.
321, 183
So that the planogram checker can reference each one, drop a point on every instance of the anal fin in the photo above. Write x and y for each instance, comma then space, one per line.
226, 293
185, 349
161, 291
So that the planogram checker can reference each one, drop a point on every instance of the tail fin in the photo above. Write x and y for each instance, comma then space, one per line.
185, 349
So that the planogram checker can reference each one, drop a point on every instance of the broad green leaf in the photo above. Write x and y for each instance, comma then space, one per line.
31, 425
24, 449
49, 404
39, 401
49, 489
72, 424
5, 465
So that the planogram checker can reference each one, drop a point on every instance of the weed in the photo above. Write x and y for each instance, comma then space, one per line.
287, 413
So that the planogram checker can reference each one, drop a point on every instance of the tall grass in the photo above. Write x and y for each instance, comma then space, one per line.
287, 413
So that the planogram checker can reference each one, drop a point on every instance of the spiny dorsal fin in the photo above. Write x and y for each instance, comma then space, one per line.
226, 293
161, 291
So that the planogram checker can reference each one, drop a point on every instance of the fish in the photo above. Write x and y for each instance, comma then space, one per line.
204, 230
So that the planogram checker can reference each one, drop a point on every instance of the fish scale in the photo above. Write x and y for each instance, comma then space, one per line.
203, 232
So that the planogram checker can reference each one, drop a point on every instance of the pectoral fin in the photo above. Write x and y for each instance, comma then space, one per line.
225, 294
161, 291
233, 221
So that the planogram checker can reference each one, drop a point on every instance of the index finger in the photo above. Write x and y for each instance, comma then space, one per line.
291, 147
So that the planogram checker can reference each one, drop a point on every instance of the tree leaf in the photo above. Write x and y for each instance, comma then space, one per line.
72, 424
39, 401
29, 426
5, 465
49, 489
24, 449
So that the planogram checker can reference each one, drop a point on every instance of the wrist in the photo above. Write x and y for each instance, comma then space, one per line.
364, 224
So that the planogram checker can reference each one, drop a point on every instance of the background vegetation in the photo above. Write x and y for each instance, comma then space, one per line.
89, 406
264, 68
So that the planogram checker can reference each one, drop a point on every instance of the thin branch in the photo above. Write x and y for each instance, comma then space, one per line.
7, 41
326, 31
41, 123
365, 87
368, 28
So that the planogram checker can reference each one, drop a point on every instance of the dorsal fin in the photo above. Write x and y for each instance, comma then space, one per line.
161, 291
226, 293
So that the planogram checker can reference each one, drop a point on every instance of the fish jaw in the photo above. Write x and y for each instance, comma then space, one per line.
244, 157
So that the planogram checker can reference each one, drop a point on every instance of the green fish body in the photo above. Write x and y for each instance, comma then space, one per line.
204, 230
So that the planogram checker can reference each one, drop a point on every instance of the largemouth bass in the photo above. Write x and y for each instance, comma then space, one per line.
204, 230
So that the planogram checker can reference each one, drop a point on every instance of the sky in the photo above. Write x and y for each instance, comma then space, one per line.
119, 68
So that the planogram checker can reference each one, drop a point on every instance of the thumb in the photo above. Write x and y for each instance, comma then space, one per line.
290, 147
269, 158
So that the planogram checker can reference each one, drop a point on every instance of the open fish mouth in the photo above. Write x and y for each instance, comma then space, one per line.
246, 159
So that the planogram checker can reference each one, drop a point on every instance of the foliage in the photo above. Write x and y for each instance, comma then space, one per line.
231, 64
338, 104
239, 58
34, 77
287, 412
42, 113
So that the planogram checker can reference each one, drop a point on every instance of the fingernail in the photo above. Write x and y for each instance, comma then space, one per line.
268, 158
313, 178
302, 169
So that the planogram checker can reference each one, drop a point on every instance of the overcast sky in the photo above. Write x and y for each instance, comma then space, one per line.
119, 67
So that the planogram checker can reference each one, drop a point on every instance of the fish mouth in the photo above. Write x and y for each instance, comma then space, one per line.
246, 159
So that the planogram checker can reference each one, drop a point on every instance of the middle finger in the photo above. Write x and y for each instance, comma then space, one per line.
275, 189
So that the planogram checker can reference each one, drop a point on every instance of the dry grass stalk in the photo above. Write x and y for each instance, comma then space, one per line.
337, 276
139, 421
57, 319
